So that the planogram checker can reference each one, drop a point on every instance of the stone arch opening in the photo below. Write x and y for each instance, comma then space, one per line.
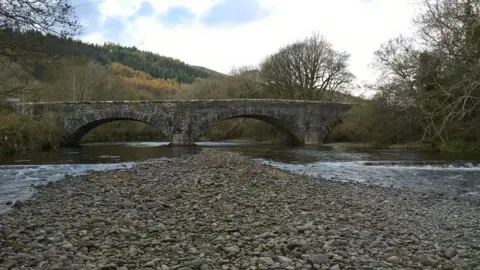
293, 136
76, 136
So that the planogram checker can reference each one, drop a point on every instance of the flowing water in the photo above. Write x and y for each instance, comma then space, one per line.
448, 174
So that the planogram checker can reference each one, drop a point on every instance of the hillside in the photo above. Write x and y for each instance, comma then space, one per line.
147, 75
210, 72
153, 64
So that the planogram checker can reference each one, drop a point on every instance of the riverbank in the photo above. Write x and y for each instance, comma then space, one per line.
219, 210
453, 147
20, 133
371, 145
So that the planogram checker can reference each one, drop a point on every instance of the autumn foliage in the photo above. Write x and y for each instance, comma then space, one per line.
142, 81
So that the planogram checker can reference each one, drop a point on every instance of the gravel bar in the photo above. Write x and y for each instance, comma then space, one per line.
220, 210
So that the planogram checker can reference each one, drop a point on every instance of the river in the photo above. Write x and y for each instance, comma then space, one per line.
444, 173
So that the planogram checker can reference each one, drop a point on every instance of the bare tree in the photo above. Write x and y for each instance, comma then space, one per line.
398, 61
45, 16
78, 79
244, 82
309, 69
451, 80
439, 70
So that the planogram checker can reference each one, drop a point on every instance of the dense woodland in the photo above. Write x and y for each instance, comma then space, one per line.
428, 95
153, 64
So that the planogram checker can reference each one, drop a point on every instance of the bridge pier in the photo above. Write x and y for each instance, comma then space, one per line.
182, 139
314, 138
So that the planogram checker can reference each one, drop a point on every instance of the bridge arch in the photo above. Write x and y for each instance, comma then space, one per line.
282, 122
79, 127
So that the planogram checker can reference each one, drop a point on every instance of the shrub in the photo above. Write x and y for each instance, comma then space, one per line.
21, 132
375, 121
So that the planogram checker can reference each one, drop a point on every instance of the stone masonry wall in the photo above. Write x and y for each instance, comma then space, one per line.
309, 122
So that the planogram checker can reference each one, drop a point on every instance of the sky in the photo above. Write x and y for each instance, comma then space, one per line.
222, 34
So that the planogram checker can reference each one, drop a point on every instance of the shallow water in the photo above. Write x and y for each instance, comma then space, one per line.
450, 174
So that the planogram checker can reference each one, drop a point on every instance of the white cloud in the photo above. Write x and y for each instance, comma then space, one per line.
119, 7
351, 25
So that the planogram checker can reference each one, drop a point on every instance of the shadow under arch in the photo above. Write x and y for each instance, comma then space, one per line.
74, 137
293, 138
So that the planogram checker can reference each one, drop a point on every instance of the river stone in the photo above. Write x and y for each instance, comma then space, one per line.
110, 266
318, 259
305, 227
196, 264
463, 253
449, 253
394, 259
283, 260
8, 263
266, 261
335, 267
232, 249
151, 263
67, 245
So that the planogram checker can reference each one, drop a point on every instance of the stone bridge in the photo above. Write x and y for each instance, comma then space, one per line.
307, 122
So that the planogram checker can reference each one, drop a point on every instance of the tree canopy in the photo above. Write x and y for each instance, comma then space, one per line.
309, 69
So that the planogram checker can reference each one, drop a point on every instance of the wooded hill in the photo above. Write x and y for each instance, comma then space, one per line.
151, 63
69, 69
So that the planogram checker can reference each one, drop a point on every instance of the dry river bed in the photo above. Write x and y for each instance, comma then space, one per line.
222, 211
